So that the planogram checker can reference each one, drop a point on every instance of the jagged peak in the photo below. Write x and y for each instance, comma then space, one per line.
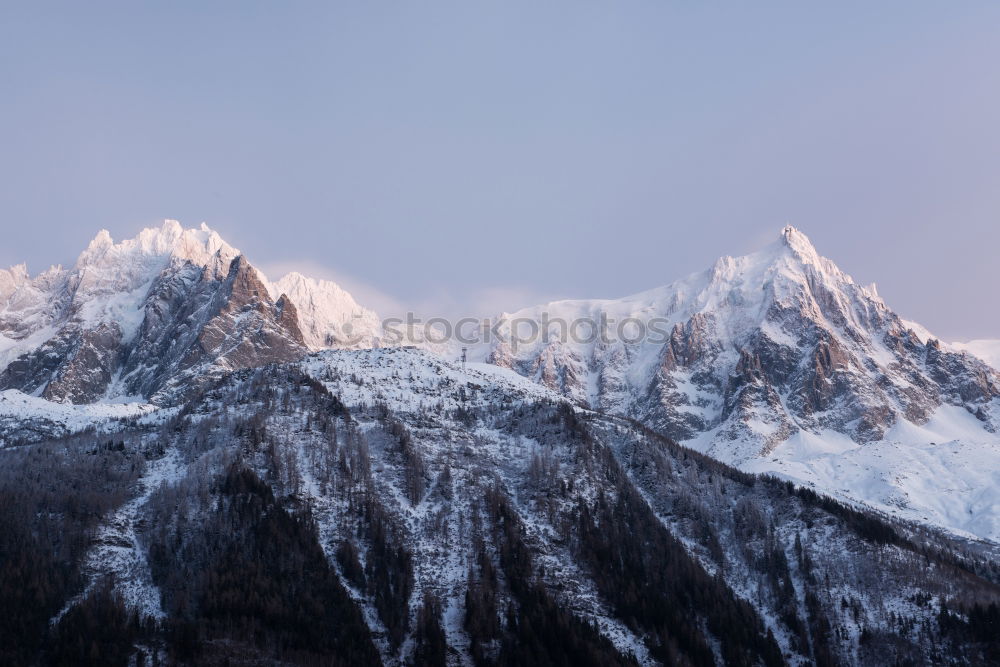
195, 244
790, 260
797, 241
101, 241
296, 278
743, 291
797, 252
326, 311
316, 293
171, 240
107, 268
792, 249
97, 247
797, 266
17, 273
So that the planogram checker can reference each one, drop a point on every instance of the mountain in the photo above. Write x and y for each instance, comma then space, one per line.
775, 362
149, 317
388, 507
778, 361
202, 466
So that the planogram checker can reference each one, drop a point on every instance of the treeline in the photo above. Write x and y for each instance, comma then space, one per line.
388, 571
100, 631
976, 625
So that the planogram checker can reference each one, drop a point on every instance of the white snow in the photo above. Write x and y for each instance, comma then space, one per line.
63, 418
735, 294
109, 284
946, 472
328, 315
987, 350
407, 380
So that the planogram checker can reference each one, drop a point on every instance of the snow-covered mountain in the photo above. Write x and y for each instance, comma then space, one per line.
188, 475
151, 315
329, 317
778, 361
775, 362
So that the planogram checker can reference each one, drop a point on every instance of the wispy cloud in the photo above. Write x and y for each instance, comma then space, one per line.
443, 301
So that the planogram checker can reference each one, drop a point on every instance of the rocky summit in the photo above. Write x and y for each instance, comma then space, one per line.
151, 316
759, 348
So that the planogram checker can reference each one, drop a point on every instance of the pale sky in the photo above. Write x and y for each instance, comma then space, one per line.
476, 156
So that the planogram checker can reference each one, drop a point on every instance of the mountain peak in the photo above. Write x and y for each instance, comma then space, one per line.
101, 241
792, 255
157, 244
799, 243
789, 232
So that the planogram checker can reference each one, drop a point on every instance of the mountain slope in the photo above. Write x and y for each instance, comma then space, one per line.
775, 362
468, 516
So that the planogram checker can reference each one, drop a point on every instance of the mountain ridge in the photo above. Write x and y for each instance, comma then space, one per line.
775, 362
111, 326
467, 513
765, 305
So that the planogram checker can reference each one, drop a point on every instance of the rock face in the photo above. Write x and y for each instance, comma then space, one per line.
753, 351
157, 315
210, 324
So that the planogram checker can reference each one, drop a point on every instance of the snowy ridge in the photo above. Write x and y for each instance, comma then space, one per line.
776, 361
731, 303
525, 502
109, 280
943, 473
